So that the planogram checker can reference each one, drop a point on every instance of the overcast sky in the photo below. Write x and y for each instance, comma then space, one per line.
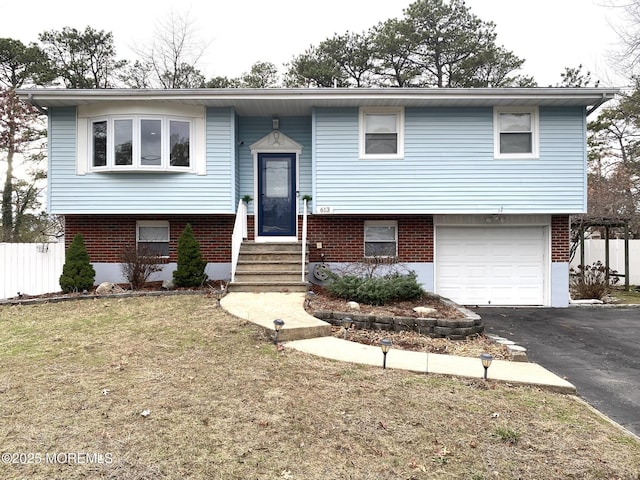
548, 34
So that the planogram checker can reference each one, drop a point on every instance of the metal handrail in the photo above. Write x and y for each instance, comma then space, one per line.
304, 237
239, 234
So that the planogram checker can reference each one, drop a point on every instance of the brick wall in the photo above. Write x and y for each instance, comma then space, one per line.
106, 236
342, 237
560, 238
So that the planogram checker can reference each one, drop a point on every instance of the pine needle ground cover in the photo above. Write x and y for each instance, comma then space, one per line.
173, 387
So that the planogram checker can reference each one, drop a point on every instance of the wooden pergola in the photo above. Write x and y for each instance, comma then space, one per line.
584, 223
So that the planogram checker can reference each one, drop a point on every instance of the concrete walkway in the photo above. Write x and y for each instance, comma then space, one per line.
263, 308
308, 334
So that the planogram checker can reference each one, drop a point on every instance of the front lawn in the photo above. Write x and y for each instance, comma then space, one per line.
172, 387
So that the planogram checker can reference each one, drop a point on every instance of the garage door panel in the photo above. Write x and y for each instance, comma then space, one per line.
502, 273
491, 265
532, 272
477, 272
474, 250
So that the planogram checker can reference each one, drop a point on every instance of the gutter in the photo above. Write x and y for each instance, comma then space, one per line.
40, 109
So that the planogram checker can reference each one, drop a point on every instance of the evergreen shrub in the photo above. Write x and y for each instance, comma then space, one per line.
190, 269
376, 290
77, 272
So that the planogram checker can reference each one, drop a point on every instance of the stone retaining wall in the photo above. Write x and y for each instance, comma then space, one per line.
456, 329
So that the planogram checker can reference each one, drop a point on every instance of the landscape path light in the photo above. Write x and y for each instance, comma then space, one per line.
486, 362
385, 345
278, 323
346, 325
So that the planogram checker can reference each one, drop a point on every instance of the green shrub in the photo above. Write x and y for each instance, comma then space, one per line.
376, 290
344, 287
77, 272
190, 269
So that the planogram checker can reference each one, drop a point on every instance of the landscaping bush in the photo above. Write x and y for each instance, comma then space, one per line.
137, 264
77, 272
590, 281
190, 269
376, 290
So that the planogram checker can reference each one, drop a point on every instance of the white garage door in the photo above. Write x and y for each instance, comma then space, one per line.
491, 266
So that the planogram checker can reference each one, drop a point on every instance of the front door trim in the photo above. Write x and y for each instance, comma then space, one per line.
274, 142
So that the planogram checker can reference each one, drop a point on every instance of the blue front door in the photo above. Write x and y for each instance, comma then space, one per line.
277, 195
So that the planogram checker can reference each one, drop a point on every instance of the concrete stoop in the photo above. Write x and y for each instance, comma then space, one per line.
269, 267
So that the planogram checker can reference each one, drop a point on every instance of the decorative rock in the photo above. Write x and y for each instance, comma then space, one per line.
168, 284
517, 353
106, 288
353, 305
505, 342
425, 310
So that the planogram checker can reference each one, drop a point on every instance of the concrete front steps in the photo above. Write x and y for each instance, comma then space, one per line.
269, 267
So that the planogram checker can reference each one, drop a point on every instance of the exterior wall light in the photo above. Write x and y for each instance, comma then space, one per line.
486, 362
385, 345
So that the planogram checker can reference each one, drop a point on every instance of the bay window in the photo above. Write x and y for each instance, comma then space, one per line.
126, 143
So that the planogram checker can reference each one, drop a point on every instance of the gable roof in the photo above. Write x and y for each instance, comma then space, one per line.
301, 101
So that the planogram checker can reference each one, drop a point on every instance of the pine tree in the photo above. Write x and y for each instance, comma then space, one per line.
77, 273
190, 269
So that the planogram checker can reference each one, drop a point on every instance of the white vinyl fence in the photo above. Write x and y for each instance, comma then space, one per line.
30, 268
594, 250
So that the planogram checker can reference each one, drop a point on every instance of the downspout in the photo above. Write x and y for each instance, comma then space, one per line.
604, 99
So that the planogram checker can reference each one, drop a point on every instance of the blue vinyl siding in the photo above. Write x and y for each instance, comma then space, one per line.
252, 129
142, 192
62, 158
449, 165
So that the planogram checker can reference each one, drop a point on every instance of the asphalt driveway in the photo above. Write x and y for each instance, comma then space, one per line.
596, 348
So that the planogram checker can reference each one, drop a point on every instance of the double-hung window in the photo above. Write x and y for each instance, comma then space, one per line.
381, 133
152, 237
380, 238
125, 143
516, 132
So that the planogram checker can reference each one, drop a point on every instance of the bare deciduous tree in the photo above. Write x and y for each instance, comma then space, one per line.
172, 55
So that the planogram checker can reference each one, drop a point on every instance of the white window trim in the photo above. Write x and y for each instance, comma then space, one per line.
535, 132
153, 223
380, 223
137, 166
399, 112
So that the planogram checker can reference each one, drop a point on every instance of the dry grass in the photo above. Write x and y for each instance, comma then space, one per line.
75, 377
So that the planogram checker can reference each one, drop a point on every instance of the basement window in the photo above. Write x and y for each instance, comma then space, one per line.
152, 237
380, 238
